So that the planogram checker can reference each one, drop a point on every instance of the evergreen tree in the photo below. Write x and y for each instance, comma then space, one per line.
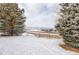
68, 24
11, 19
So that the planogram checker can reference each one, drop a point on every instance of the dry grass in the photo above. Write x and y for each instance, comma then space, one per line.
46, 34
69, 48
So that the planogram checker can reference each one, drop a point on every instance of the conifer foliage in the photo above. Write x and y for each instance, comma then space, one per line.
11, 19
68, 24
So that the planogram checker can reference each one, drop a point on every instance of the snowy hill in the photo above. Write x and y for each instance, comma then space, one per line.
31, 45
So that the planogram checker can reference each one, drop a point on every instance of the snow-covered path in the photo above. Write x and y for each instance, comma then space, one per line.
31, 45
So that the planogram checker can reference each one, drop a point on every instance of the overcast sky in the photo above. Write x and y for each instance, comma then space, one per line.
40, 14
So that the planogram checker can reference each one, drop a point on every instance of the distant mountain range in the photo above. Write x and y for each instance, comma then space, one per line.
37, 28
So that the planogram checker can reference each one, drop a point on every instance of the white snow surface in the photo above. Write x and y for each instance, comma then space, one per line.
31, 45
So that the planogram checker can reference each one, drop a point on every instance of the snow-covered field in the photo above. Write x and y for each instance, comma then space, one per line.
31, 45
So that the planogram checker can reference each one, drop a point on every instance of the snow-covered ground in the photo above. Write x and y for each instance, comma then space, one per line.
31, 45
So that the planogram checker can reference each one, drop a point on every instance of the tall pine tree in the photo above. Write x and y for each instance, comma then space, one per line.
68, 24
11, 19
